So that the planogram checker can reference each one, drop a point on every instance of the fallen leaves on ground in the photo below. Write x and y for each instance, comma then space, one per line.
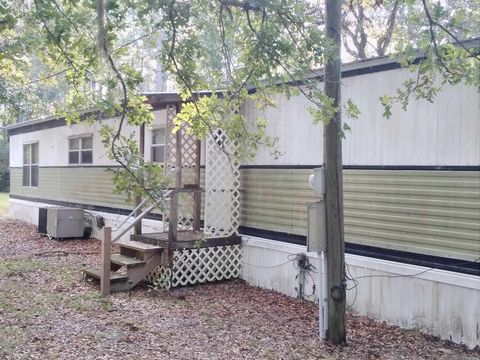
48, 312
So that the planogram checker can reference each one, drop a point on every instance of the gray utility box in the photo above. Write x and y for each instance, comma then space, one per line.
316, 237
65, 222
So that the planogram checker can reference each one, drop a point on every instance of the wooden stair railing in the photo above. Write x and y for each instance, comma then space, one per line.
139, 260
136, 258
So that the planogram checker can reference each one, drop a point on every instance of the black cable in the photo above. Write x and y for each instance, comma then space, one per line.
302, 263
355, 281
416, 274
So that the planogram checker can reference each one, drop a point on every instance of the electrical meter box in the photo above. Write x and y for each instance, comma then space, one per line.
65, 222
317, 235
317, 181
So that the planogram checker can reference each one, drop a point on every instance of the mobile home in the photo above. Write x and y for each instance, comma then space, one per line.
411, 196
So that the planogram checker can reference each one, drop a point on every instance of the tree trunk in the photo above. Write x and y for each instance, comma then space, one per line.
334, 184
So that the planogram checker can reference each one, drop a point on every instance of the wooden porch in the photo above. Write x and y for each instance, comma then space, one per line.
186, 239
192, 249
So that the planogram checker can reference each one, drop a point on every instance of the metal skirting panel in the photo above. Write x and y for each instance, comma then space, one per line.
428, 212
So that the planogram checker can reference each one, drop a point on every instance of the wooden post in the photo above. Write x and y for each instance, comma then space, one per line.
138, 198
173, 214
334, 183
106, 253
178, 154
197, 196
173, 218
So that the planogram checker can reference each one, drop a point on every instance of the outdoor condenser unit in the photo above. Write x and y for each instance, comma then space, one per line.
42, 220
65, 222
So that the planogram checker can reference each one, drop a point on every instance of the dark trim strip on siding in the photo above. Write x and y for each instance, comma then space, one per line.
430, 261
414, 167
279, 167
301, 167
74, 167
370, 167
305, 167
81, 167
107, 209
436, 262
274, 235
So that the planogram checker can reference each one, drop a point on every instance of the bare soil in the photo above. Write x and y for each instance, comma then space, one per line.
47, 311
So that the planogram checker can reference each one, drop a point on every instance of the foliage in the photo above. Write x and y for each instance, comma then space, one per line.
438, 56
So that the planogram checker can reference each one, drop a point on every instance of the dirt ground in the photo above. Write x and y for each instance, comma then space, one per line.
48, 312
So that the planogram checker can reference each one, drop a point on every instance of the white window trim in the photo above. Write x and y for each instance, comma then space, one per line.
31, 164
152, 145
79, 150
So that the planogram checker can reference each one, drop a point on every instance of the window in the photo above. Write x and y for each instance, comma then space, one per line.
158, 145
80, 150
30, 164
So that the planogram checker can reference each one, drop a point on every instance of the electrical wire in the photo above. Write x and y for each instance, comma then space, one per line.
415, 274
266, 267
350, 277
305, 269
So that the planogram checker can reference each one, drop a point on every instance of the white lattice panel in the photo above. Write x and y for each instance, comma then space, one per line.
189, 159
185, 212
187, 162
222, 181
189, 146
195, 266
160, 277
171, 141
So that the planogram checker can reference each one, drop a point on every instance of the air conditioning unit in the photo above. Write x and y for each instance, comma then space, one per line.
42, 220
63, 222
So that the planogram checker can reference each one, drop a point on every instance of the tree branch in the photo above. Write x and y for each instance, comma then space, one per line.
432, 22
384, 40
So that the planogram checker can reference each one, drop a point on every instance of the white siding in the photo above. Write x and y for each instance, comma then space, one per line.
53, 143
446, 132
299, 140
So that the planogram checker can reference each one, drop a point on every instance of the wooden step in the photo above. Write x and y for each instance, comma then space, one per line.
139, 246
138, 250
95, 273
127, 261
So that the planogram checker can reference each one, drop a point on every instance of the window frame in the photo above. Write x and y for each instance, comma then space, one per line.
31, 166
155, 145
80, 150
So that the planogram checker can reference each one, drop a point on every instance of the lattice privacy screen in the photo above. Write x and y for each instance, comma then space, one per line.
222, 182
195, 266
188, 146
189, 149
185, 212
